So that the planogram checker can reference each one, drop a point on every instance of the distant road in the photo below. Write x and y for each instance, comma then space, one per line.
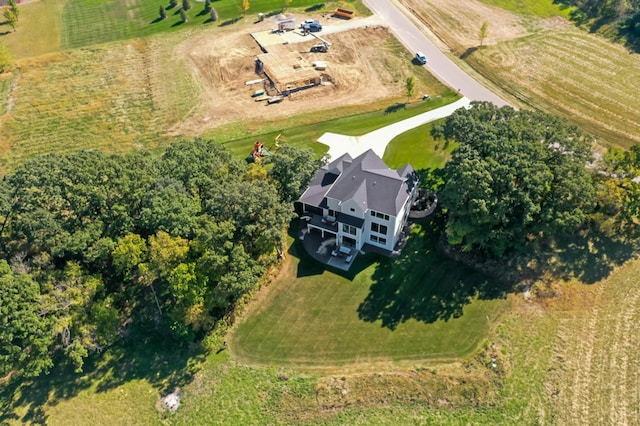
438, 63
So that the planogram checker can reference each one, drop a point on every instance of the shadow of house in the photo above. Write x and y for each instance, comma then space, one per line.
425, 285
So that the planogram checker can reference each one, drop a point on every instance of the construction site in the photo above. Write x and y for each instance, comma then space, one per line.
293, 60
290, 71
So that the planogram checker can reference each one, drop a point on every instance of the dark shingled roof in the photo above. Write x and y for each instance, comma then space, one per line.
365, 179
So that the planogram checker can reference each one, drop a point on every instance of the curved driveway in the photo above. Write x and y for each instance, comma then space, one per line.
438, 63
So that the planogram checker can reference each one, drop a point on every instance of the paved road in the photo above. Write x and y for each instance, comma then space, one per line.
438, 63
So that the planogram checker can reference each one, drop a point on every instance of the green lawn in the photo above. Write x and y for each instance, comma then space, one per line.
352, 124
418, 148
419, 306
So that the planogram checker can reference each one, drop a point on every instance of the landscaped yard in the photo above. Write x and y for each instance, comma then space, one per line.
421, 306
418, 148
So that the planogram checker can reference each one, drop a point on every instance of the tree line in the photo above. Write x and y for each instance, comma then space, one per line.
521, 177
623, 15
95, 246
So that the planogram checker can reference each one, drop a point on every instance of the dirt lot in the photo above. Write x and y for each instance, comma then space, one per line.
223, 70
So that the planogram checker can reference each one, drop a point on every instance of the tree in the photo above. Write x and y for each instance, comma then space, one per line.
207, 6
183, 16
293, 169
214, 15
163, 13
484, 32
186, 5
516, 176
169, 207
410, 87
173, 3
25, 337
14, 8
245, 6
10, 17
6, 59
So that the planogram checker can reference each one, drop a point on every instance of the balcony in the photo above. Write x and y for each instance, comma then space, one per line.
328, 224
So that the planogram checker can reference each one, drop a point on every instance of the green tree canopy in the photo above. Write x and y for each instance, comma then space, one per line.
516, 176
165, 241
293, 169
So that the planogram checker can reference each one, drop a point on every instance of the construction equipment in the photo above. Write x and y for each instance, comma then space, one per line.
324, 47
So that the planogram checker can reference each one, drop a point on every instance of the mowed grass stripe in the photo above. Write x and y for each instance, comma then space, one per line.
594, 379
585, 106
89, 22
113, 98
597, 79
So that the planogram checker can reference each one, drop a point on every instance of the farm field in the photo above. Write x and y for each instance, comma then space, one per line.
544, 62
562, 72
144, 92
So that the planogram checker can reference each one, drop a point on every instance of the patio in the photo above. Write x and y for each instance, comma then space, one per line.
325, 250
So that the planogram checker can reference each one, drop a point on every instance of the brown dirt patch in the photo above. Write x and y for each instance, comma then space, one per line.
224, 61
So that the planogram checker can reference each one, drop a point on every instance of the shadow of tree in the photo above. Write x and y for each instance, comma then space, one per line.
470, 51
425, 285
315, 7
588, 256
395, 108
229, 22
154, 360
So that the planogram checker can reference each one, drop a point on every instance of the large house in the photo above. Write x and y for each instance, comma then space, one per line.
360, 201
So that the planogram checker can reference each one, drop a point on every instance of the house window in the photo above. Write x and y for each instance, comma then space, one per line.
379, 215
348, 229
378, 240
332, 213
352, 209
380, 229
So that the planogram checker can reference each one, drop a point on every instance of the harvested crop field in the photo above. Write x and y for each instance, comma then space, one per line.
574, 74
593, 378
544, 63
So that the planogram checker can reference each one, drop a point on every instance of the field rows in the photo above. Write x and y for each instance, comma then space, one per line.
99, 98
597, 369
577, 75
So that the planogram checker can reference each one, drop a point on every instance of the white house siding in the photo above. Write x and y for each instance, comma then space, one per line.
389, 236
